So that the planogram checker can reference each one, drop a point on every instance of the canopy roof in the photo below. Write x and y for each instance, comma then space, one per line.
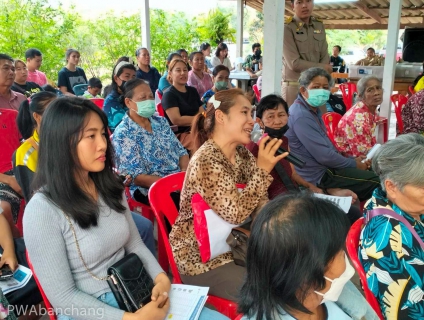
362, 14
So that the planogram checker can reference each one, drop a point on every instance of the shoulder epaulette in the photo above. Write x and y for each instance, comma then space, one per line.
288, 20
316, 19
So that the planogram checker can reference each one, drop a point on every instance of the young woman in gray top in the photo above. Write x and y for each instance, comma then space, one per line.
77, 189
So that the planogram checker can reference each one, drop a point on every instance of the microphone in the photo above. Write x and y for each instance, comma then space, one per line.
257, 134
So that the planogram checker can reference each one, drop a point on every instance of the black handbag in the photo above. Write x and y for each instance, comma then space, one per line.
128, 279
237, 240
130, 283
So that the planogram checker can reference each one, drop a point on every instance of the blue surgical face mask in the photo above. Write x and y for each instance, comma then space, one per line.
318, 97
145, 108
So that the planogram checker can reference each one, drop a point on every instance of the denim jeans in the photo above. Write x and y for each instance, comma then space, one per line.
108, 298
145, 229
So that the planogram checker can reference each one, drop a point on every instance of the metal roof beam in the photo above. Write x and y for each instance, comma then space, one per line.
370, 13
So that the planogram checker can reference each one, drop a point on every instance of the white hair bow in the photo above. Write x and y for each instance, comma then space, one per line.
216, 103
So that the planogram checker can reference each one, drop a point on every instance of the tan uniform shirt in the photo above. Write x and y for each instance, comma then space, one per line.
374, 61
305, 46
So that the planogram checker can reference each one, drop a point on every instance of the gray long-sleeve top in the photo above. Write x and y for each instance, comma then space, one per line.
309, 141
62, 275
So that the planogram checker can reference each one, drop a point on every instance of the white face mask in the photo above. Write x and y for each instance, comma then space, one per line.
337, 284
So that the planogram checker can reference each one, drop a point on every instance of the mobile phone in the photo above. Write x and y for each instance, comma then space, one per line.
5, 273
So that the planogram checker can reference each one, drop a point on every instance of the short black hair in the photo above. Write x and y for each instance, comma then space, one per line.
131, 85
372, 49
256, 45
204, 46
129, 66
32, 53
6, 57
191, 56
95, 83
338, 47
137, 52
179, 51
60, 132
220, 68
269, 102
292, 241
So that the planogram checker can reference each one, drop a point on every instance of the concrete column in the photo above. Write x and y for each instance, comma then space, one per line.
273, 46
239, 35
145, 25
390, 62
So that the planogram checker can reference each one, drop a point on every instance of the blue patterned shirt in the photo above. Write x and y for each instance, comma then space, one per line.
138, 151
393, 261
114, 109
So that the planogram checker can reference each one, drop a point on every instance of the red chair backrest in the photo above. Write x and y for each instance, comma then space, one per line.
160, 110
257, 93
9, 138
348, 89
159, 94
163, 206
331, 120
352, 244
98, 102
49, 307
399, 101
411, 89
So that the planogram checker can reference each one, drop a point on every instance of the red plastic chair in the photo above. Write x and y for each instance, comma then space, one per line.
348, 90
163, 206
352, 244
98, 102
257, 93
331, 120
160, 110
138, 207
399, 101
158, 94
239, 317
49, 307
411, 90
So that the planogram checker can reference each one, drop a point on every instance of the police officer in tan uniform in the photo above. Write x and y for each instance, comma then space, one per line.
305, 46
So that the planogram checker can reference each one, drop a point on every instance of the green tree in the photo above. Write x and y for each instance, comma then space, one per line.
215, 27
256, 28
28, 24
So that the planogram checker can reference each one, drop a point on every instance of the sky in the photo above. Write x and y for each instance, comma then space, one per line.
92, 8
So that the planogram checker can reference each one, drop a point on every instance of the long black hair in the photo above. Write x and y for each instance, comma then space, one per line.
25, 120
292, 241
58, 164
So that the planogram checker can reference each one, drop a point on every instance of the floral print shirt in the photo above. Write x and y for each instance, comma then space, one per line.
214, 177
4, 310
355, 133
393, 261
139, 151
413, 114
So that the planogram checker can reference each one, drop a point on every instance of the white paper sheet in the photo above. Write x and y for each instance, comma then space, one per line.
186, 302
20, 278
343, 202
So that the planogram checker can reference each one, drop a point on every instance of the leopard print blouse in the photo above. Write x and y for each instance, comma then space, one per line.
214, 177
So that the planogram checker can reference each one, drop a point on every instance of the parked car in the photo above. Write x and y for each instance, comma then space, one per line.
351, 56
398, 52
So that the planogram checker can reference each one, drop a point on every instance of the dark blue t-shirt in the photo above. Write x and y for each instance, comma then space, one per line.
153, 77
69, 79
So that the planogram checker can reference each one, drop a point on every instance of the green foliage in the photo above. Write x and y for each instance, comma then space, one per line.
362, 39
170, 32
28, 24
215, 28
256, 28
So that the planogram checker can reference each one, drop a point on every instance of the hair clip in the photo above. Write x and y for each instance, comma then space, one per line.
204, 114
216, 103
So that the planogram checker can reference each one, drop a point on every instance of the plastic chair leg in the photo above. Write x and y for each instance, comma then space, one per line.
162, 256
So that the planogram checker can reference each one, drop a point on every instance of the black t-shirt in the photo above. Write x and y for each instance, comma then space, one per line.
28, 89
188, 102
69, 79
